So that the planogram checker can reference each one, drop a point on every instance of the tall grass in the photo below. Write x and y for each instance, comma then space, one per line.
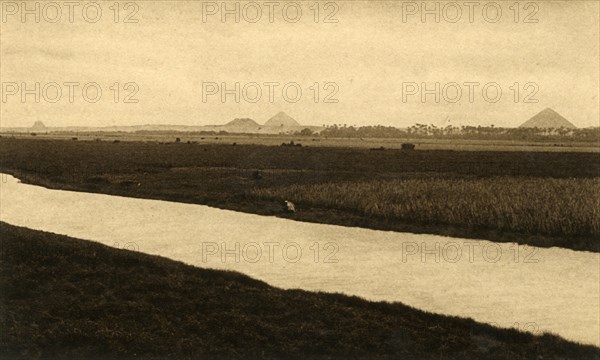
559, 207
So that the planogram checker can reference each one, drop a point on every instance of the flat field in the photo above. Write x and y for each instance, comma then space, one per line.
320, 141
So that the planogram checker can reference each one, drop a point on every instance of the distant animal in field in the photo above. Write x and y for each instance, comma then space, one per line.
290, 207
291, 143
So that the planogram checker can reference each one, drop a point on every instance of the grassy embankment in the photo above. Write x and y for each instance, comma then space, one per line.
67, 298
536, 198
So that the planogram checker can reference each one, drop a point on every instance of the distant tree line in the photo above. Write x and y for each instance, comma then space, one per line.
422, 131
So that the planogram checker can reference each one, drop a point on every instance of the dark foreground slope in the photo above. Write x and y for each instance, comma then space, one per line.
67, 298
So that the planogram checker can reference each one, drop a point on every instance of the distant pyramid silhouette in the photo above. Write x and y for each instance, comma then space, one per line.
548, 118
281, 119
38, 126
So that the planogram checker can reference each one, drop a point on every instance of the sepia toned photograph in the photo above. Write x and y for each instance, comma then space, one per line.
303, 179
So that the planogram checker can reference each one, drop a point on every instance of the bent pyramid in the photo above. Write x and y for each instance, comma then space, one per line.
548, 118
281, 119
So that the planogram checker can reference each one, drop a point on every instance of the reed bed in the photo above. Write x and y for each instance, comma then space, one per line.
556, 207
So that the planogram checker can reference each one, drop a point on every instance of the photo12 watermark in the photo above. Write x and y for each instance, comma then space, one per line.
69, 92
529, 326
91, 12
320, 12
469, 91
131, 246
470, 251
469, 12
325, 92
270, 251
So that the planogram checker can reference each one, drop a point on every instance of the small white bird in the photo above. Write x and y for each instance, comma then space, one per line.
290, 206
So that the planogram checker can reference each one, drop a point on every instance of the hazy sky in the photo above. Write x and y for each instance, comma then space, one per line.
369, 61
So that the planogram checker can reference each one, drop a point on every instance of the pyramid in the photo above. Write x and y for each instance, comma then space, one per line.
38, 126
281, 119
548, 118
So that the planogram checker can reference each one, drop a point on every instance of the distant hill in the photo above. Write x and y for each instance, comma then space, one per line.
546, 119
245, 122
282, 119
243, 125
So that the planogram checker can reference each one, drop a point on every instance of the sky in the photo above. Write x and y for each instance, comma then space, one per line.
356, 63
